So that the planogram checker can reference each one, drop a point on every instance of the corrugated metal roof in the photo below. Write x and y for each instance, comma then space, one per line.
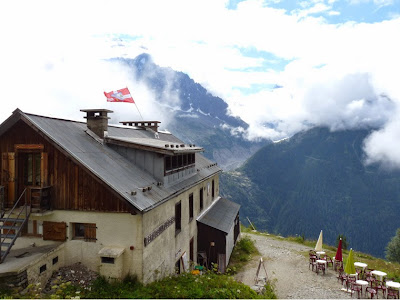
112, 168
221, 215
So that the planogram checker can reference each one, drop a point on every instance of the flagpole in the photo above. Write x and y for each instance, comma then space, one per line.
137, 107
139, 112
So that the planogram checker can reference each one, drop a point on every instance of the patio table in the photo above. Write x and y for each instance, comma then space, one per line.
379, 273
394, 285
360, 265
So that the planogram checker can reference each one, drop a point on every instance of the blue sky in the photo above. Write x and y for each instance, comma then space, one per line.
332, 59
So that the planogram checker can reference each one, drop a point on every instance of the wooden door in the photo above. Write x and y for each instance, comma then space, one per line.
29, 172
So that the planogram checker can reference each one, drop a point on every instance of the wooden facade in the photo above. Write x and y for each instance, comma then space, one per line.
72, 186
211, 241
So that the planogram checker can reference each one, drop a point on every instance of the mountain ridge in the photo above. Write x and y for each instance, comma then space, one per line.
198, 117
317, 180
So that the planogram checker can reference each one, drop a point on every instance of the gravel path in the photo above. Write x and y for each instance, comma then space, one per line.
288, 269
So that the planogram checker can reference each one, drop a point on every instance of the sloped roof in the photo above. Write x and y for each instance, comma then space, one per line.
109, 166
221, 215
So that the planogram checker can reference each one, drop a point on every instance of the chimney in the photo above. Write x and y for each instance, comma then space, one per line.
97, 120
153, 125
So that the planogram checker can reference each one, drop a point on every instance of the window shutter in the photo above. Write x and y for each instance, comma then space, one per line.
54, 231
8, 176
90, 232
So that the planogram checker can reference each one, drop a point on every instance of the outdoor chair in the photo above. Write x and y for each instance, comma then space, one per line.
342, 277
370, 279
371, 292
338, 265
393, 293
320, 267
350, 281
359, 273
312, 262
356, 288
367, 272
328, 260
379, 285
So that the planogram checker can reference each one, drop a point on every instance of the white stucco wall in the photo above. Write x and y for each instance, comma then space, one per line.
34, 275
163, 252
121, 230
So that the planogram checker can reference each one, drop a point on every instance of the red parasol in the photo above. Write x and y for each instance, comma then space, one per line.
338, 256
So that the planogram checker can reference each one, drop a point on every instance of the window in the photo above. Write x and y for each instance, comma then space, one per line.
201, 199
55, 260
178, 162
190, 207
84, 231
174, 162
107, 260
31, 171
178, 216
42, 268
213, 189
168, 163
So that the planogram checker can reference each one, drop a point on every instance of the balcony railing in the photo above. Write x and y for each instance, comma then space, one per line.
40, 198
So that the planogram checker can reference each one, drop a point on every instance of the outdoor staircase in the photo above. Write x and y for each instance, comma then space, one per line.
12, 223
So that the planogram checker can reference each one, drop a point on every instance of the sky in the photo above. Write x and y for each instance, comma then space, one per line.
281, 65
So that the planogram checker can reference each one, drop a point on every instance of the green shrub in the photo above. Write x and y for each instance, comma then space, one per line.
393, 248
208, 285
246, 245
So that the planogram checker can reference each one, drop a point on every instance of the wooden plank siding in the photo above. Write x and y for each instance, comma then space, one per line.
73, 187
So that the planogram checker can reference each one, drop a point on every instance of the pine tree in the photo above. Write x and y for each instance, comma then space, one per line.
393, 248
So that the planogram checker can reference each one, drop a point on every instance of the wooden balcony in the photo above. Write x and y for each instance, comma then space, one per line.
40, 199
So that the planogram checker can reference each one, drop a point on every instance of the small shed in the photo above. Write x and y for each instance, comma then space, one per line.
218, 231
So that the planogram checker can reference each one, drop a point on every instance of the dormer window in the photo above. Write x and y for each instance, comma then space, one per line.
179, 162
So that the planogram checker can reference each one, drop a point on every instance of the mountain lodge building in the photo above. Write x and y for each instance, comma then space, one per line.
120, 199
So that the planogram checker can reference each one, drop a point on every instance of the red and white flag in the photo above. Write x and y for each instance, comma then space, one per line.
122, 95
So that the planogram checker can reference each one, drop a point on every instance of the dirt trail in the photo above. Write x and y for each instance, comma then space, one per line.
288, 269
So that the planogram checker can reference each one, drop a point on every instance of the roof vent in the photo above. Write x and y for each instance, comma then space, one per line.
153, 125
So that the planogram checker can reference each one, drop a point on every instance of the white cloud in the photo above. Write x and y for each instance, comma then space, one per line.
336, 74
379, 3
382, 145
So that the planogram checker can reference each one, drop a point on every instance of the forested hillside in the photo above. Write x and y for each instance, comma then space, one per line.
317, 180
